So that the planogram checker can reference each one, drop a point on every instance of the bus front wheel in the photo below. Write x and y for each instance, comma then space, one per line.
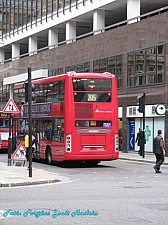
49, 156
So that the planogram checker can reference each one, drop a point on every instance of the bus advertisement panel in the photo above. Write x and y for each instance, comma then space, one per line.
75, 117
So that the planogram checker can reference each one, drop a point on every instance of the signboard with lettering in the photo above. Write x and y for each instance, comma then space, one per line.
37, 110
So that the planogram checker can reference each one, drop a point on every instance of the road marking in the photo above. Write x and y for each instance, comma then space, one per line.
95, 178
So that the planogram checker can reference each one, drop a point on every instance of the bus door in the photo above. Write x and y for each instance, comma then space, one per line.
37, 131
58, 146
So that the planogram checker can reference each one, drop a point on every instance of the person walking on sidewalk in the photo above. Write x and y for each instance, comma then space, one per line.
159, 151
141, 141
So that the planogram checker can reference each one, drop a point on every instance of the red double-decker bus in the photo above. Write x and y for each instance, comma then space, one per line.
75, 117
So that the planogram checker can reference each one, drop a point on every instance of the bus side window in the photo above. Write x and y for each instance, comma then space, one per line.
58, 130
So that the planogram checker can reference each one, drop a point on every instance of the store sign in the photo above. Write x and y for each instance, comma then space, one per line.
37, 110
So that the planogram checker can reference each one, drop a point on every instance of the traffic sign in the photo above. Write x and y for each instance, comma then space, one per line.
19, 153
11, 107
160, 109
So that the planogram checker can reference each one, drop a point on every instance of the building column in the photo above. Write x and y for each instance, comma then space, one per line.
2, 56
98, 20
133, 10
15, 51
70, 31
52, 37
11, 89
32, 45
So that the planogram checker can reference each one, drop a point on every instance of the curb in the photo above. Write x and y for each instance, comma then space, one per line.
27, 183
141, 160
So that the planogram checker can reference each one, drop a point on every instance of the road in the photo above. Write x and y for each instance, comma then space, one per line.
117, 192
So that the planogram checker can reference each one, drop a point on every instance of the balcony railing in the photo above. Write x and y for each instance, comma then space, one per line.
105, 29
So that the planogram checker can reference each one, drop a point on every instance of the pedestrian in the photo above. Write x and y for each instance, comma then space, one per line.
141, 141
159, 151
48, 132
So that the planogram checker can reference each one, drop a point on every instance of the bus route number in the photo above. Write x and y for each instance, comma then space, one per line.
92, 97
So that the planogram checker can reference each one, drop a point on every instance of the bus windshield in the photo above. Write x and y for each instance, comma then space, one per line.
91, 84
92, 90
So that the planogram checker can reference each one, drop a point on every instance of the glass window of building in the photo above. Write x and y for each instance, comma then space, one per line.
112, 64
146, 67
4, 92
150, 59
160, 64
139, 56
111, 68
78, 68
130, 68
96, 65
55, 72
119, 70
86, 66
103, 65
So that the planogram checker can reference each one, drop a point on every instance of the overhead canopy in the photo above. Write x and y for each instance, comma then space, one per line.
24, 77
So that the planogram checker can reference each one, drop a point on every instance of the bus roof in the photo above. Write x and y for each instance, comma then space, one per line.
63, 76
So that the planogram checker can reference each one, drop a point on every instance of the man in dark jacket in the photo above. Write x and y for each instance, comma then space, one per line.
159, 151
140, 139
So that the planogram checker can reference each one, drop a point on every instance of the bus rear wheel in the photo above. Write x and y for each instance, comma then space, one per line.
49, 156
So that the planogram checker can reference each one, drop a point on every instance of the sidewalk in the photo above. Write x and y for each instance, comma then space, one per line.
134, 156
11, 176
